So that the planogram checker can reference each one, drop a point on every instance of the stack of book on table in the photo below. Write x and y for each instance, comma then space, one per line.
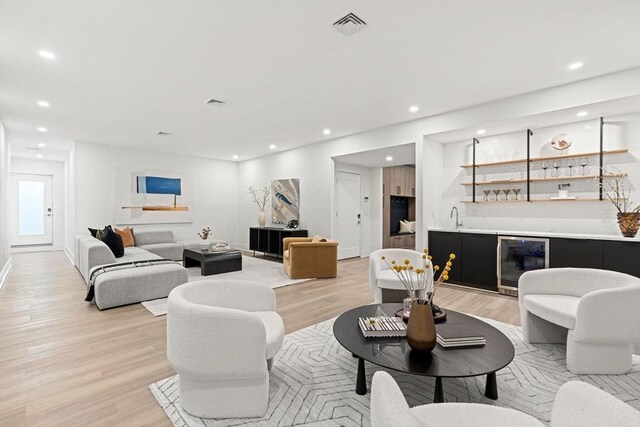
382, 327
455, 335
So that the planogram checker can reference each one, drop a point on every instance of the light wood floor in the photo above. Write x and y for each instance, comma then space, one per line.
64, 362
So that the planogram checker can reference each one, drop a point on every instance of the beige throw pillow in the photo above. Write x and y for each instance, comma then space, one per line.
405, 227
127, 236
317, 239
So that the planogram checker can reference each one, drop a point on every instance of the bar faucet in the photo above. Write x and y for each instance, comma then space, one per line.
458, 224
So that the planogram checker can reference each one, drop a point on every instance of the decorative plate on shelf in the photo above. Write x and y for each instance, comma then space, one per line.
560, 142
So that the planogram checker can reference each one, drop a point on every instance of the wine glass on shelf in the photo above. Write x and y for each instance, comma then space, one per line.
496, 192
557, 164
506, 192
516, 191
486, 195
545, 166
570, 164
583, 162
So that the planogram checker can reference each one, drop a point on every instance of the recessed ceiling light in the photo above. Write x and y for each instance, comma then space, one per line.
47, 55
326, 131
43, 103
39, 156
389, 158
235, 157
413, 109
272, 146
582, 113
481, 131
576, 66
42, 129
41, 144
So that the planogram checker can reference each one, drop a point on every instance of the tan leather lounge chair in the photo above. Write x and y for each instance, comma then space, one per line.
310, 257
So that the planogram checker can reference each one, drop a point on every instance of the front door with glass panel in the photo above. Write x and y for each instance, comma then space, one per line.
32, 210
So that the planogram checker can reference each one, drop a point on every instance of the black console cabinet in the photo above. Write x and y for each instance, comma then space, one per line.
268, 240
479, 260
579, 253
441, 244
622, 256
476, 255
475, 263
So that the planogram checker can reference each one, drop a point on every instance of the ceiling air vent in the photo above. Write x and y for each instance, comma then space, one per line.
216, 102
349, 24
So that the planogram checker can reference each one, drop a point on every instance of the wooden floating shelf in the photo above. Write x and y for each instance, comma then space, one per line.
539, 159
550, 179
537, 200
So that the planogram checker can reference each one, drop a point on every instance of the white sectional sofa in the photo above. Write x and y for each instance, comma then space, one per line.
160, 243
138, 281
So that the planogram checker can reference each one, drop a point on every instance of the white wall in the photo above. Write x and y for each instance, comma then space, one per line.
70, 204
56, 170
5, 243
215, 188
312, 164
571, 217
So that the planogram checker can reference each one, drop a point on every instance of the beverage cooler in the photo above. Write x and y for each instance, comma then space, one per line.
517, 255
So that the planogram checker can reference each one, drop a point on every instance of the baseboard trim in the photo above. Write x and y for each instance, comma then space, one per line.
70, 256
5, 272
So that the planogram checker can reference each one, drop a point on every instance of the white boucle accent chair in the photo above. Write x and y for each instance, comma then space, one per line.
382, 277
577, 404
597, 312
222, 336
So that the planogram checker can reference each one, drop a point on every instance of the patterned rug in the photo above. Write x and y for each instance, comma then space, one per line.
254, 269
312, 383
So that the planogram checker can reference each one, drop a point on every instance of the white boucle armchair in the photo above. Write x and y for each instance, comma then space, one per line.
222, 336
577, 404
597, 312
382, 277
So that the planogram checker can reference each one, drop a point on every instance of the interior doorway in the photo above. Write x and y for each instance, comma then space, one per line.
32, 212
348, 215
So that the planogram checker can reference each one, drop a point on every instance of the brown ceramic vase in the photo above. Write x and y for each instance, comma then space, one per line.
421, 331
629, 222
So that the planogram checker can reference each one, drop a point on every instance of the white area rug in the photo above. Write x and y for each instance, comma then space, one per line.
269, 273
312, 383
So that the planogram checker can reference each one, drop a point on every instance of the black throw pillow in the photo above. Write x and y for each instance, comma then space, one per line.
114, 241
97, 233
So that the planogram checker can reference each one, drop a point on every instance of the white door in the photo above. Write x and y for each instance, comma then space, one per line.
32, 213
348, 214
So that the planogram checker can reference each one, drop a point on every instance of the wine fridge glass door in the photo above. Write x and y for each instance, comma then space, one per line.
517, 255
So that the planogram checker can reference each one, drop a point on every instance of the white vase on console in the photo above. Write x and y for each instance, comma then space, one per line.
262, 219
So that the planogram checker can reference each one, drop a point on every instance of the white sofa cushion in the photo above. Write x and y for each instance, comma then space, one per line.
558, 309
471, 415
148, 237
387, 279
172, 251
274, 327
133, 253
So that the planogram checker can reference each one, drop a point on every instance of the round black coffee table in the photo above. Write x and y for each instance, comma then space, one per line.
395, 353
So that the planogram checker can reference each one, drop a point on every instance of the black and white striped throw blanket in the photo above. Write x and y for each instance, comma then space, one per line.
101, 269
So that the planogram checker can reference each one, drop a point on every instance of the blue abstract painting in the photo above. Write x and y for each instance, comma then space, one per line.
159, 185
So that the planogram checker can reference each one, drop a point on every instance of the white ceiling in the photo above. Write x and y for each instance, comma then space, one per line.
401, 155
125, 70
